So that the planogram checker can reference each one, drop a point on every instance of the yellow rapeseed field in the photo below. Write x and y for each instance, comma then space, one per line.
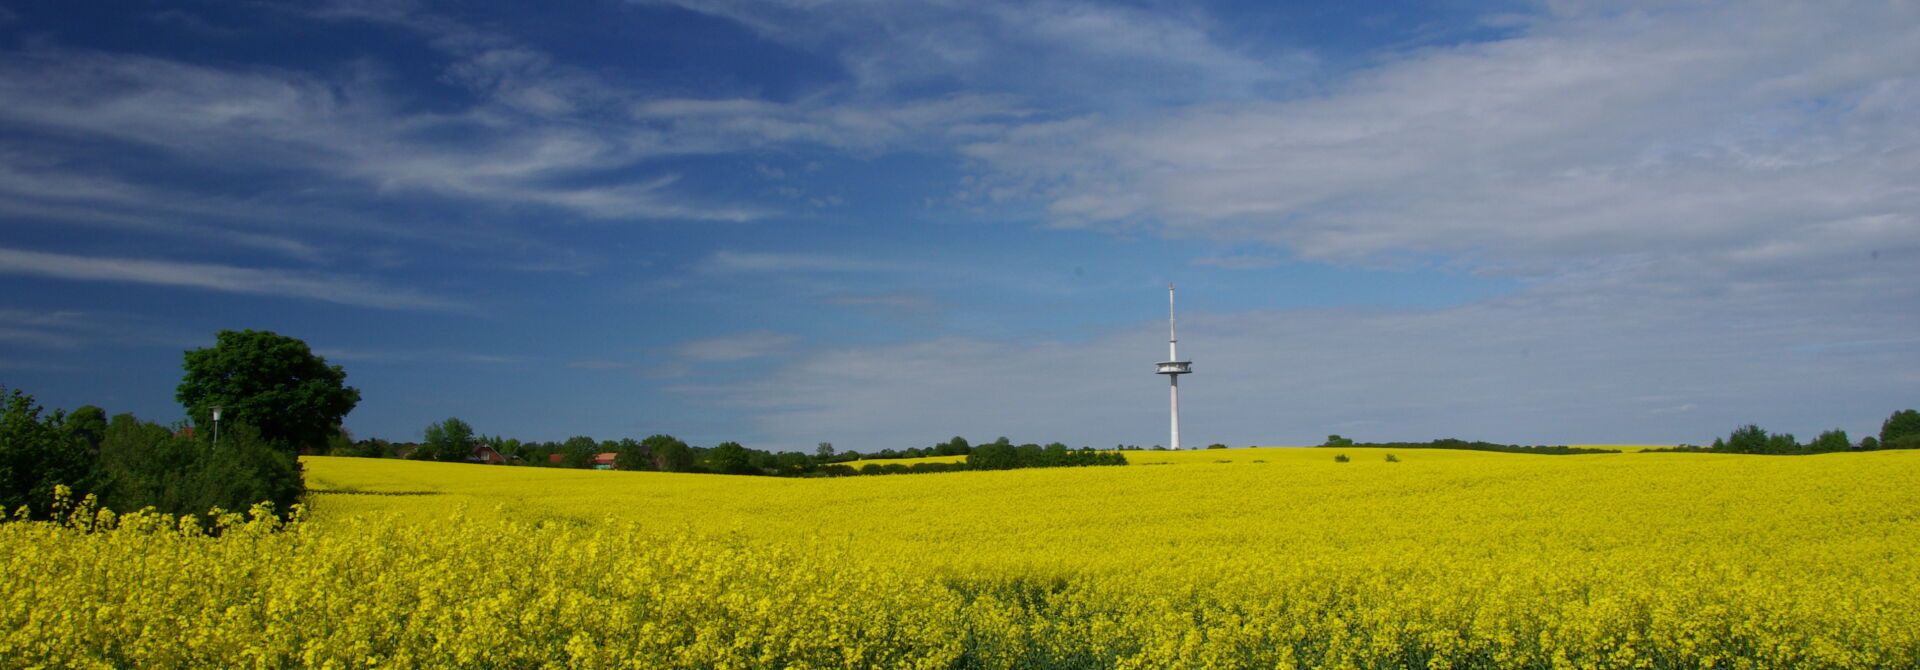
1238, 558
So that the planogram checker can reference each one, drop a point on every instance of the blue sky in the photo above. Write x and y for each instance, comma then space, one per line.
885, 224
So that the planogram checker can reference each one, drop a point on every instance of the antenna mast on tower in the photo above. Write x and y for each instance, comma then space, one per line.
1173, 367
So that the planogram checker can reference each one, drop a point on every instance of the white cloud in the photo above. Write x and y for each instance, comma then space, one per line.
342, 128
1702, 128
1238, 261
1074, 53
725, 125
756, 344
732, 262
895, 301
224, 278
44, 191
598, 365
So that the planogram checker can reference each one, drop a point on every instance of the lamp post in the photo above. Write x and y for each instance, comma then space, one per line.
216, 426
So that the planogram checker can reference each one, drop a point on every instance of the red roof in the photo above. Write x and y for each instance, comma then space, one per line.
605, 458
555, 458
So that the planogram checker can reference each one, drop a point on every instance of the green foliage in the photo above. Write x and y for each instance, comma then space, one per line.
955, 447
999, 455
1783, 443
372, 448
86, 426
272, 382
1901, 430
1216, 445
1747, 439
1751, 439
146, 465
449, 441
340, 443
630, 455
1392, 458
668, 453
36, 455
792, 464
1449, 443
729, 458
1341, 458
1832, 440
1869, 443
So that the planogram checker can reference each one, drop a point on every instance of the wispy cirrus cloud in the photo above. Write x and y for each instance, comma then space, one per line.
1586, 136
1238, 261
891, 300
740, 347
346, 128
734, 262
1073, 54
223, 278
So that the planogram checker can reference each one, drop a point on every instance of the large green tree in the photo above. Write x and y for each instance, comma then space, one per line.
1832, 440
1901, 431
668, 453
631, 456
729, 458
273, 382
450, 441
1748, 439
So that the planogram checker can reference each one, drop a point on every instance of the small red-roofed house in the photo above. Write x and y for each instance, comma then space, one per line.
604, 460
485, 453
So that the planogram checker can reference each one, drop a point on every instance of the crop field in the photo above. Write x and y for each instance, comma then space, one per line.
1239, 558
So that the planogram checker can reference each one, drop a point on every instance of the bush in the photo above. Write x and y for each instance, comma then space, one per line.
132, 465
144, 465
1392, 459
36, 455
1340, 458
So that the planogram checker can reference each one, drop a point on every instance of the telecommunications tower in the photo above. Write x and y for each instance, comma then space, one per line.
1173, 367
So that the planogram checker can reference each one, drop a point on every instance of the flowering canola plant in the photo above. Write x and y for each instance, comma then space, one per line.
1240, 558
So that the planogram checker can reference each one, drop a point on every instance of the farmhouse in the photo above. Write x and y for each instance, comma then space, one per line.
485, 453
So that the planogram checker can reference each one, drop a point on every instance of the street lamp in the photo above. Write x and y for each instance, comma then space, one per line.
216, 426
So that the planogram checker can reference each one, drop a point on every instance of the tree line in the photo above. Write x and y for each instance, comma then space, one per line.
1450, 443
454, 440
1901, 430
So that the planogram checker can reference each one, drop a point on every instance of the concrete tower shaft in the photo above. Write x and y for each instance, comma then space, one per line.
1173, 367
